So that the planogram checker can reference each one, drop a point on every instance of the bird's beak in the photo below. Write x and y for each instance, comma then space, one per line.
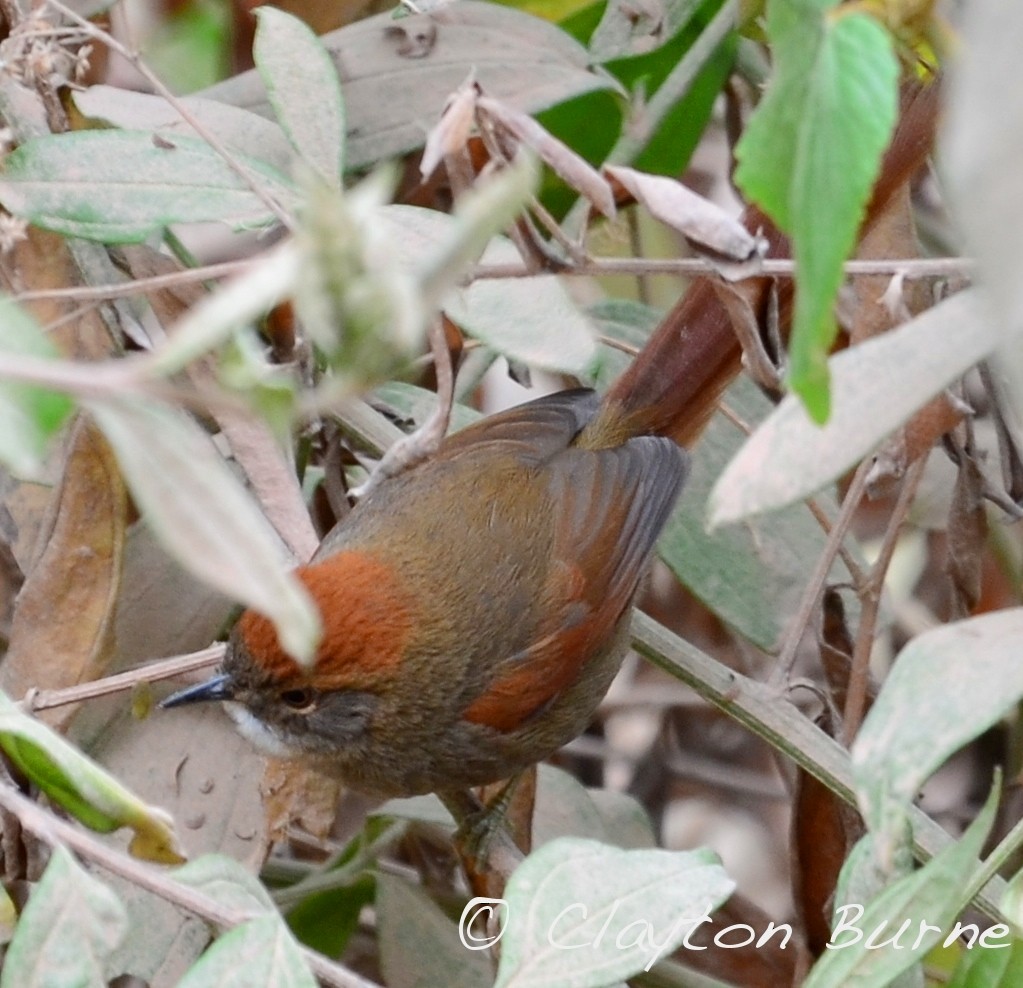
217, 688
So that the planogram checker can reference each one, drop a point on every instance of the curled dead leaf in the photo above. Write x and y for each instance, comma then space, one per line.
696, 218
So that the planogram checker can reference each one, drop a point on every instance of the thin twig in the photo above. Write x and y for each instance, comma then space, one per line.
56, 832
138, 286
851, 562
643, 292
909, 267
154, 672
870, 603
815, 586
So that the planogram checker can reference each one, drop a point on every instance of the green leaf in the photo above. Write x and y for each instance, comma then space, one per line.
992, 966
190, 46
581, 914
810, 155
877, 386
29, 416
69, 929
946, 687
258, 954
83, 788
203, 516
227, 881
325, 921
420, 945
122, 186
922, 905
303, 88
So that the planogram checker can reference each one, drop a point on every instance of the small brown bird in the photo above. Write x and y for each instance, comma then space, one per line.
475, 607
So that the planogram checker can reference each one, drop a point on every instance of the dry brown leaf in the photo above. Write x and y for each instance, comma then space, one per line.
450, 135
42, 261
752, 966
824, 829
62, 631
696, 218
967, 537
295, 796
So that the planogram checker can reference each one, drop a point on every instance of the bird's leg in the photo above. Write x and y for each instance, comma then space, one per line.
483, 840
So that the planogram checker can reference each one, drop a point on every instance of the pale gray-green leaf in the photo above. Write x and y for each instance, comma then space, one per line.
515, 315
121, 186
397, 75
225, 880
565, 894
203, 515
946, 687
261, 953
876, 387
247, 133
270, 278
419, 944
303, 88
933, 895
563, 808
751, 575
68, 930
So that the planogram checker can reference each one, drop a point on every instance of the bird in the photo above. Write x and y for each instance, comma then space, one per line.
475, 606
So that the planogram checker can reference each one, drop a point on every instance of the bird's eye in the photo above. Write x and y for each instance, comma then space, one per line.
301, 699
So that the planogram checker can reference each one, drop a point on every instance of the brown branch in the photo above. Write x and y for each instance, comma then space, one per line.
56, 832
153, 673
870, 603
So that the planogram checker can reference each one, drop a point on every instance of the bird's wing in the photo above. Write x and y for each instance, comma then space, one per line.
610, 505
531, 432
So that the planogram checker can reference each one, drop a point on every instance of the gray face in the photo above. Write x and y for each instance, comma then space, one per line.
291, 719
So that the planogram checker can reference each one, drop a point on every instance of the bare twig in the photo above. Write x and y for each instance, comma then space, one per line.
870, 602
414, 448
815, 586
909, 267
152, 673
137, 286
56, 832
